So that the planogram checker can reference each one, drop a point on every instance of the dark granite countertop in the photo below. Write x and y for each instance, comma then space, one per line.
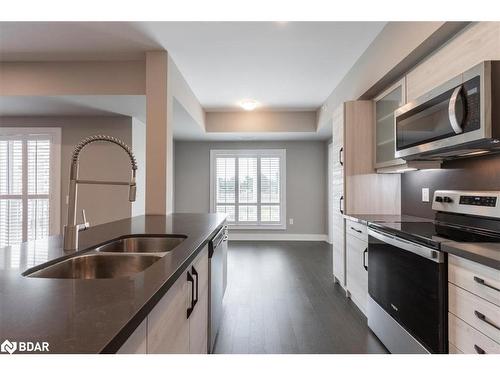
487, 253
374, 218
93, 316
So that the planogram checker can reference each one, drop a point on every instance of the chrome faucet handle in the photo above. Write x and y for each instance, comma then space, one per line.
85, 224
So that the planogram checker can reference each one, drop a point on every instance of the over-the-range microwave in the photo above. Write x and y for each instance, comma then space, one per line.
460, 118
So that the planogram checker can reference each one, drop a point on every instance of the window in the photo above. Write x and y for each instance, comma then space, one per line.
29, 184
249, 186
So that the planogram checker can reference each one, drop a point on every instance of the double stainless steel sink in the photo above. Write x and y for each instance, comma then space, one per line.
122, 257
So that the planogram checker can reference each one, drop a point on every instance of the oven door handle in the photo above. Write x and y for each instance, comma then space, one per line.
423, 251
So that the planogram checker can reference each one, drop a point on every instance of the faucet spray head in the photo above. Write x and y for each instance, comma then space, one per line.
132, 190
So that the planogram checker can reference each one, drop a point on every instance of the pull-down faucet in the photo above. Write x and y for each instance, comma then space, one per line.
71, 229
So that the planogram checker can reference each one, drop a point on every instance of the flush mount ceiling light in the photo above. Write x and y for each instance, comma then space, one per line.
249, 104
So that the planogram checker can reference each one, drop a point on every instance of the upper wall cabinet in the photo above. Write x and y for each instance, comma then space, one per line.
478, 42
384, 150
385, 105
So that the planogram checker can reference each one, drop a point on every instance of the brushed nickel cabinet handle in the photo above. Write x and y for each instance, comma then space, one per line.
485, 319
482, 282
479, 350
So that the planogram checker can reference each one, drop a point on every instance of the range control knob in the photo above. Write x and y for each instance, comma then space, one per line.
439, 199
447, 200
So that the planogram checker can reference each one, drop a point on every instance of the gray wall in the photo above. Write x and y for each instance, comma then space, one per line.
98, 161
305, 180
478, 173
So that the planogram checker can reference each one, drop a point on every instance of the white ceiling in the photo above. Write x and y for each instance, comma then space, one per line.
283, 65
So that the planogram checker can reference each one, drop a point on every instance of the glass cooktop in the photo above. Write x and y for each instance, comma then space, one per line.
432, 233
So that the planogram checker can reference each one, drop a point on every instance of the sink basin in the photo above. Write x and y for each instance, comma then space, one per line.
159, 244
97, 266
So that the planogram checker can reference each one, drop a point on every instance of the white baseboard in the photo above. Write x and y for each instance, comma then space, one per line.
277, 237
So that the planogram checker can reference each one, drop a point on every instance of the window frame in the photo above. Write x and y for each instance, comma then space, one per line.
259, 153
54, 196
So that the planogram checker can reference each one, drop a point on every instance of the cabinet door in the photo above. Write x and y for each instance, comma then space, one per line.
338, 245
478, 42
385, 105
168, 325
337, 195
357, 275
198, 321
136, 343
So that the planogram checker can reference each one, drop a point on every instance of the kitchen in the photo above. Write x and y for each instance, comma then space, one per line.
148, 206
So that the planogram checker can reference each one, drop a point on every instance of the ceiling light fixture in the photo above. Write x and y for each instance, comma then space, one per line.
249, 104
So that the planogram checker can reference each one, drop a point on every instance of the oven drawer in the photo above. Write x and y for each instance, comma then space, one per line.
469, 340
357, 230
479, 313
475, 278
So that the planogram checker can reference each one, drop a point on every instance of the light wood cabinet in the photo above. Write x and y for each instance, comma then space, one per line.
198, 321
355, 186
474, 308
475, 311
357, 263
478, 279
338, 192
137, 342
478, 42
385, 105
168, 329
168, 325
469, 340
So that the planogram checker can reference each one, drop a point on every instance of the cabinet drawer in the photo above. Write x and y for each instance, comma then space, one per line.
357, 275
469, 340
474, 277
357, 230
474, 311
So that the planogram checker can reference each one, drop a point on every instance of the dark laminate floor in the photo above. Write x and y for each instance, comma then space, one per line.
281, 298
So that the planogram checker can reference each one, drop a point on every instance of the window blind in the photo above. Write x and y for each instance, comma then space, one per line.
248, 186
25, 162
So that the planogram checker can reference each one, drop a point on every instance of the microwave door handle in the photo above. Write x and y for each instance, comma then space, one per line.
452, 111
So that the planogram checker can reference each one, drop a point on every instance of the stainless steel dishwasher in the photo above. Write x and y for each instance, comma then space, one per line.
217, 268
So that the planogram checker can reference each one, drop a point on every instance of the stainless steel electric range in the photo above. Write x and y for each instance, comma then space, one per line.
407, 275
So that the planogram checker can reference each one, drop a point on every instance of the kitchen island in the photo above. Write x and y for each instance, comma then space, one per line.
93, 315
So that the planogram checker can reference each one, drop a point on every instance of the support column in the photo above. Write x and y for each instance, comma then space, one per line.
159, 141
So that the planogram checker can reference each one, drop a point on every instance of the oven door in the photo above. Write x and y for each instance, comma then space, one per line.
443, 119
407, 283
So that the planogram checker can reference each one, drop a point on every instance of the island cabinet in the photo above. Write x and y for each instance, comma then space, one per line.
178, 324
137, 342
